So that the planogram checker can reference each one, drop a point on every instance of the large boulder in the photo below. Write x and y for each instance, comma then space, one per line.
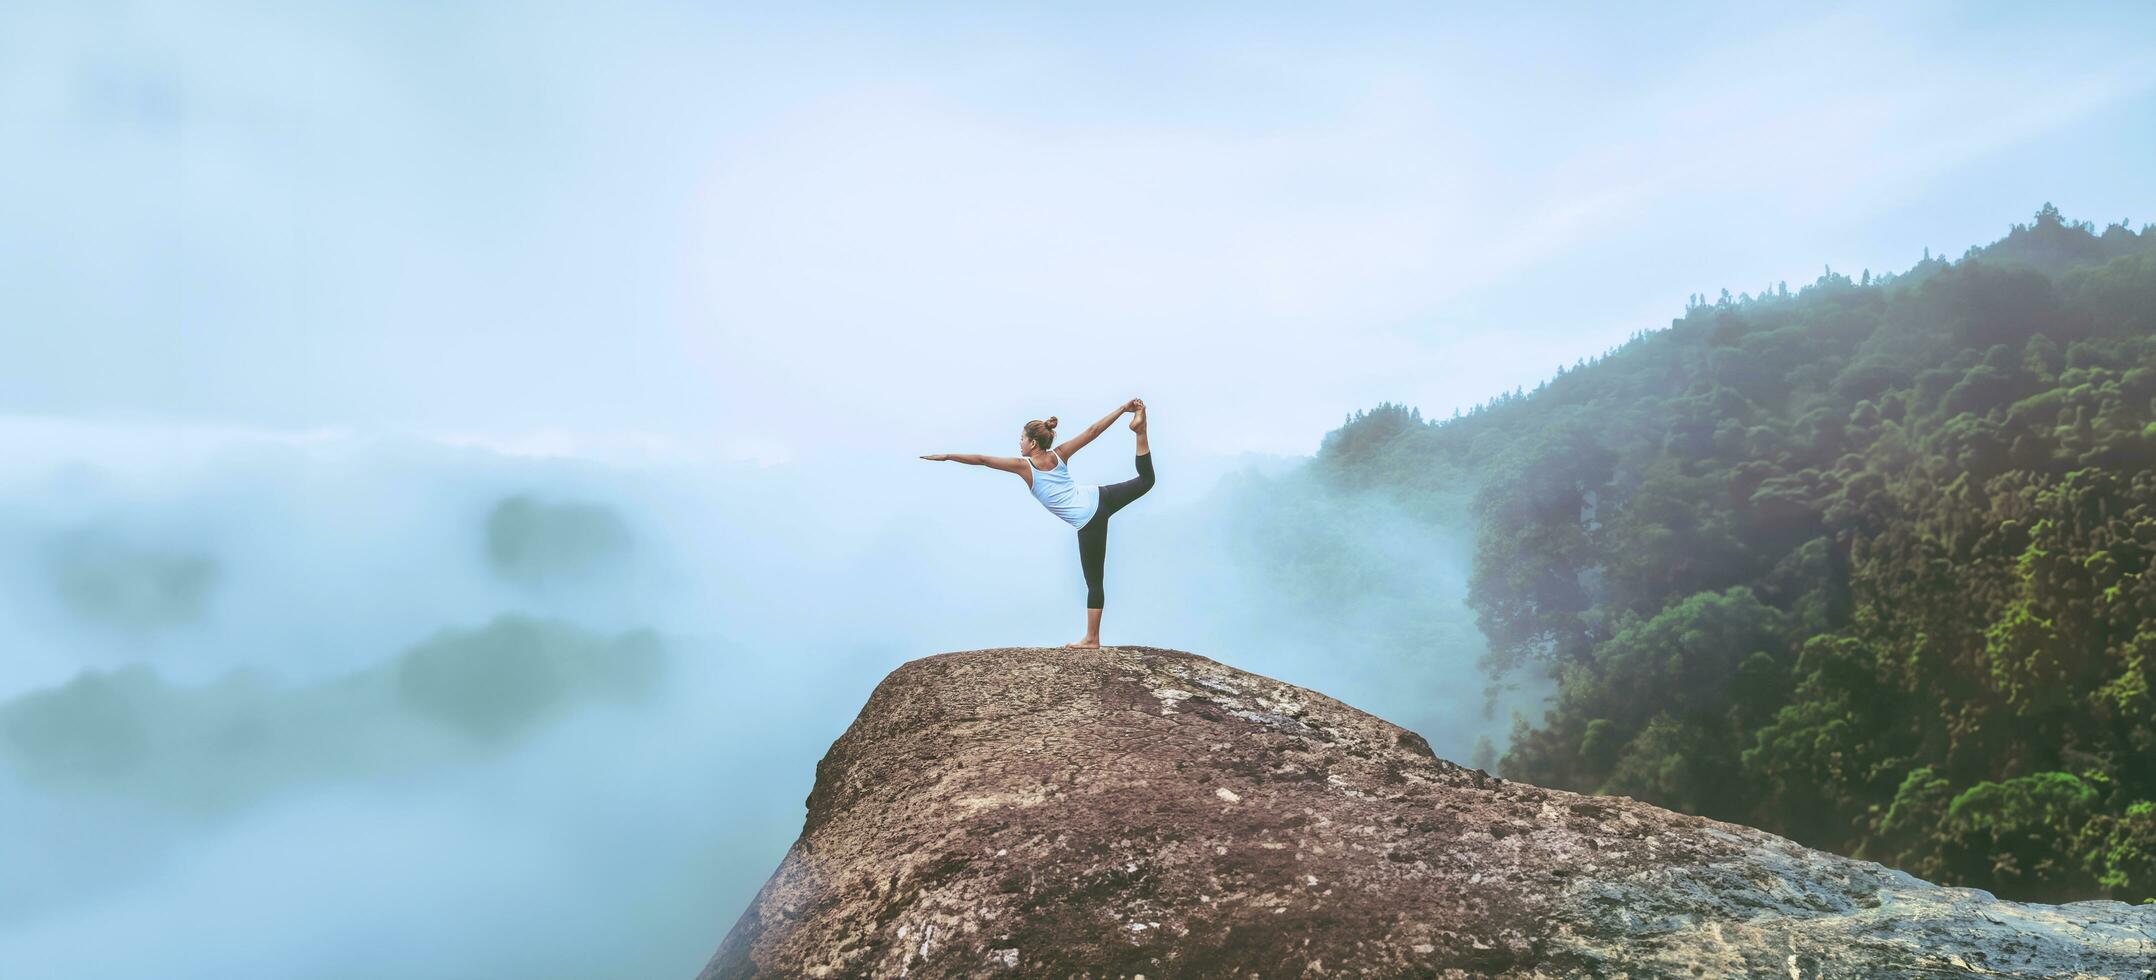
1134, 811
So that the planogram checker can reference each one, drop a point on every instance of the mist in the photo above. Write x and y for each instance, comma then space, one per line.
329, 706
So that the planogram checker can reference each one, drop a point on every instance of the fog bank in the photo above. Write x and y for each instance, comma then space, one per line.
336, 706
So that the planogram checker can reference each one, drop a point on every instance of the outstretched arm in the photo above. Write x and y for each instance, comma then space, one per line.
1008, 464
1078, 442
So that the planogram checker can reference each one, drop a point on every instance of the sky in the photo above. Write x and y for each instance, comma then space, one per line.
457, 460
781, 232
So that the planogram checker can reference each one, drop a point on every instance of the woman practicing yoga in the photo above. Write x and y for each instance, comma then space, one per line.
1048, 472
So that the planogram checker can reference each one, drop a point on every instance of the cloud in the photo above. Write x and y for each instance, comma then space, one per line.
870, 206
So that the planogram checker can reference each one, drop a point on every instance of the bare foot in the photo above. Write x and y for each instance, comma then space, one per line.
1090, 643
1137, 421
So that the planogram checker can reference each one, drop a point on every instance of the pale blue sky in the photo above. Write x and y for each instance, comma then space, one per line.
793, 231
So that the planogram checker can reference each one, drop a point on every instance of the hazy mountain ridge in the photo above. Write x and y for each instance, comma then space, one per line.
211, 747
1866, 563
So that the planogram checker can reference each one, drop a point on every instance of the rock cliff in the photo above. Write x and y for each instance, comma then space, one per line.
1135, 811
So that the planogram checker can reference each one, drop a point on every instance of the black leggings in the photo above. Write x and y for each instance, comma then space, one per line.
1093, 537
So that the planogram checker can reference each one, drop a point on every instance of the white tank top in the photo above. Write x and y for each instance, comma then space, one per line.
1070, 501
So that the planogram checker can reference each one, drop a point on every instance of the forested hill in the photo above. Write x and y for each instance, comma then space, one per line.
1866, 563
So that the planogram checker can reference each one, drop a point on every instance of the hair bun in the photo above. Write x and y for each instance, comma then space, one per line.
1051, 423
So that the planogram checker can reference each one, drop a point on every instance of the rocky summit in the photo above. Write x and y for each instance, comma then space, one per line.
1140, 812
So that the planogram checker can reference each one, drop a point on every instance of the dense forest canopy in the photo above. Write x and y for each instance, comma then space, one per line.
1866, 563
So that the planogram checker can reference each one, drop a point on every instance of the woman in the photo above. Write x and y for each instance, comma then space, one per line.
1047, 472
